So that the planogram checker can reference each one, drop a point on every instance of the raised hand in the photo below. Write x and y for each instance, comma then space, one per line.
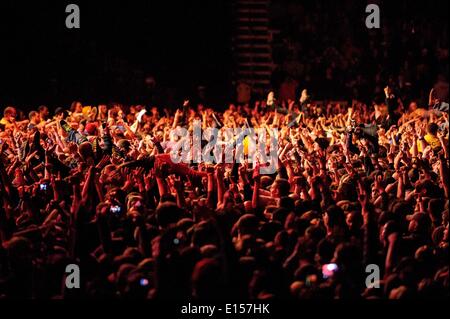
103, 162
161, 170
388, 92
19, 177
363, 196
430, 97
378, 184
304, 96
210, 169
242, 170
139, 176
72, 148
148, 180
219, 171
256, 173
30, 157
178, 183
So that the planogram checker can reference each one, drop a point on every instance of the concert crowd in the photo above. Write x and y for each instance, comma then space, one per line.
356, 209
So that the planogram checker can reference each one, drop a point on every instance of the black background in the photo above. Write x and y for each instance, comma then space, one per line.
182, 44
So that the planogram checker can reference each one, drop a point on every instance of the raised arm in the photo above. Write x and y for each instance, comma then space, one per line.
443, 171
256, 187
220, 184
88, 184
163, 188
369, 224
179, 190
210, 188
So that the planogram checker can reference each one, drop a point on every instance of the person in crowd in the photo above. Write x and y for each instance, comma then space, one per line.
43, 113
104, 192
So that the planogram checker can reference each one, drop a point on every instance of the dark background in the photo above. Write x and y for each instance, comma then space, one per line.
182, 44
187, 43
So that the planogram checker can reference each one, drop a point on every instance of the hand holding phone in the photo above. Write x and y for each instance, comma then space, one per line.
328, 270
115, 209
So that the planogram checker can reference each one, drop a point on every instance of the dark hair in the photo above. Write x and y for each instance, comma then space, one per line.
168, 198
42, 107
247, 224
8, 110
60, 110
435, 208
207, 279
32, 114
336, 216
283, 186
73, 106
432, 128
280, 214
168, 213
204, 233
287, 202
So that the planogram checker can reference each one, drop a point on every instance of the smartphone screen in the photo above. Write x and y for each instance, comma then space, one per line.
328, 270
116, 210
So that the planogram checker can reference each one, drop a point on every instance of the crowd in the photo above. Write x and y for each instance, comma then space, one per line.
326, 47
96, 187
